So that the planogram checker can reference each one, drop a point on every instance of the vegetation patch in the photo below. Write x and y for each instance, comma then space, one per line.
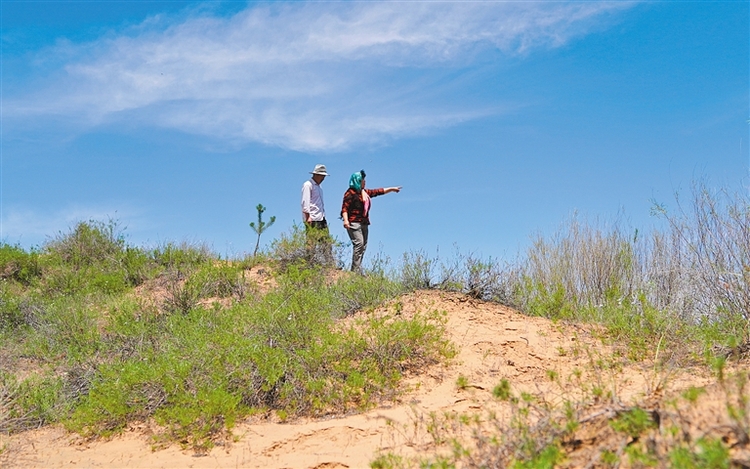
106, 357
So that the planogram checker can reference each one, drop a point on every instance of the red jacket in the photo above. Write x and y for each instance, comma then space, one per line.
354, 206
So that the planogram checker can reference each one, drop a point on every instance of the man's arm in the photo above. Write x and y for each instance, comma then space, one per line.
306, 189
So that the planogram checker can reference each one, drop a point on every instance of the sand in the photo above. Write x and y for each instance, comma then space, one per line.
494, 343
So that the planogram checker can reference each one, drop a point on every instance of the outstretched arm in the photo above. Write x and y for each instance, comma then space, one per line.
392, 189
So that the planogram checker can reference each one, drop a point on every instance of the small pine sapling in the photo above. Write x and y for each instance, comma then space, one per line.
261, 226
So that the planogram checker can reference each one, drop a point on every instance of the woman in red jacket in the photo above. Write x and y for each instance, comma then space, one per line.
355, 211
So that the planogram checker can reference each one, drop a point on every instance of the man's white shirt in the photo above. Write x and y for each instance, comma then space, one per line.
312, 201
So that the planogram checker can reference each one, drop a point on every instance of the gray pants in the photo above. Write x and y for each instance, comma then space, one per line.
358, 235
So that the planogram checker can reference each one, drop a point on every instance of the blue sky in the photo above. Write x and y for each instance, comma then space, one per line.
499, 119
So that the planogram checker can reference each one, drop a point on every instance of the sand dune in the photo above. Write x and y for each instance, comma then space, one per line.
494, 343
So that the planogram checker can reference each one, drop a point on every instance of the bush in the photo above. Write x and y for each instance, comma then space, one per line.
138, 266
19, 265
290, 248
89, 280
185, 288
11, 316
87, 244
219, 279
711, 237
486, 280
582, 265
198, 372
65, 327
356, 292
93, 258
31, 403
182, 256
417, 271
295, 249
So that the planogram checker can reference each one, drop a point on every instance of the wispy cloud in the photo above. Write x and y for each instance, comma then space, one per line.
305, 76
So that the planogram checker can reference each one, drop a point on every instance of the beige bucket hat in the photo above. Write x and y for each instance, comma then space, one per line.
320, 169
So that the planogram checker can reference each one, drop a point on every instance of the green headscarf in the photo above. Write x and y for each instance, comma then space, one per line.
355, 182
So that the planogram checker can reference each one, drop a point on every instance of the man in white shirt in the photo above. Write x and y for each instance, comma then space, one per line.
319, 243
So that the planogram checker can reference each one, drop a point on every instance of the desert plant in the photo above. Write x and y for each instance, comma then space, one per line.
221, 279
19, 265
91, 258
487, 280
182, 297
584, 261
300, 248
88, 243
713, 233
417, 270
290, 248
138, 265
30, 403
356, 292
183, 255
199, 371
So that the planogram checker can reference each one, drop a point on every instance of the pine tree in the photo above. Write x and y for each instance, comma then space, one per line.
261, 226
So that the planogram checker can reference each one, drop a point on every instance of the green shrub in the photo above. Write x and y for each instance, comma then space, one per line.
485, 280
185, 288
633, 422
400, 345
88, 243
540, 299
708, 453
65, 327
198, 372
219, 279
31, 403
138, 266
307, 250
119, 393
182, 256
181, 297
91, 259
547, 458
290, 248
502, 391
133, 329
417, 271
87, 280
196, 419
11, 315
356, 292
19, 265
388, 461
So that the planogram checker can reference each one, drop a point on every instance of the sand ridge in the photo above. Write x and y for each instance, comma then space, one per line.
494, 342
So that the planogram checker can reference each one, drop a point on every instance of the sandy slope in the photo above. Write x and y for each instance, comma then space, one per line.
495, 342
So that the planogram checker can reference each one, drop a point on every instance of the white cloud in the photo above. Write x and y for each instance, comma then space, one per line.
305, 76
